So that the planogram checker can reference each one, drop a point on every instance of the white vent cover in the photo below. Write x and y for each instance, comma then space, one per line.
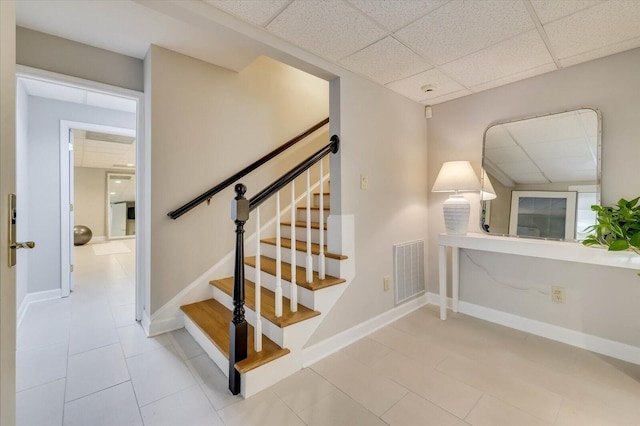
408, 265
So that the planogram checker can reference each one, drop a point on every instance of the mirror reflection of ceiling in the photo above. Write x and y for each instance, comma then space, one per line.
550, 149
103, 151
122, 188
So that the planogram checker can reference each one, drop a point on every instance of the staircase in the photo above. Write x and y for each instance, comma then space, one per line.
284, 336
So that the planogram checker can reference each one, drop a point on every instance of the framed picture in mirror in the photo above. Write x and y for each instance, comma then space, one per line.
543, 214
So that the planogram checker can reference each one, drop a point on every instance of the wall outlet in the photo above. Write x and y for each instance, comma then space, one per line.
558, 295
387, 286
364, 181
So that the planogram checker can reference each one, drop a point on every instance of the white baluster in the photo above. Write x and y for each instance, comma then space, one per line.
321, 261
278, 260
257, 335
309, 258
294, 285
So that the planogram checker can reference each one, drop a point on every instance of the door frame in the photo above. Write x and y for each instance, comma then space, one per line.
143, 175
66, 166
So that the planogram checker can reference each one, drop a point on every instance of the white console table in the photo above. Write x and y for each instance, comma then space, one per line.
546, 249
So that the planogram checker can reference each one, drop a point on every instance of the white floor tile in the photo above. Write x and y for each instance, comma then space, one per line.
95, 370
41, 406
186, 345
134, 341
188, 407
337, 409
39, 366
303, 389
115, 406
213, 381
158, 373
263, 409
87, 336
124, 315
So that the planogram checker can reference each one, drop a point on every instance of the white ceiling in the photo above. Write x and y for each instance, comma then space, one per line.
102, 155
458, 47
550, 149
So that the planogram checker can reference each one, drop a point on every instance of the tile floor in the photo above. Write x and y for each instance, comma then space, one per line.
84, 361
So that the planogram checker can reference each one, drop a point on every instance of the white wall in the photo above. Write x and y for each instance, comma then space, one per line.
207, 123
600, 301
90, 185
22, 192
44, 180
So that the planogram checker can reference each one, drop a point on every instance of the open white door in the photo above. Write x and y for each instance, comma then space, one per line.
71, 214
7, 186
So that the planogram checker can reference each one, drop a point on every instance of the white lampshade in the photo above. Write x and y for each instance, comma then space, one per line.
487, 193
456, 176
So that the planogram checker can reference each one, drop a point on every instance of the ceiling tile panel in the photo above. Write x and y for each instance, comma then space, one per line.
518, 167
395, 14
573, 176
529, 178
566, 148
255, 12
386, 60
333, 30
550, 10
463, 27
444, 98
555, 127
411, 87
507, 154
603, 25
542, 69
516, 55
498, 137
600, 52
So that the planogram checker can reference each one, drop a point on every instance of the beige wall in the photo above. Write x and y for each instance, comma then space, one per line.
51, 53
601, 301
206, 124
384, 137
7, 186
90, 194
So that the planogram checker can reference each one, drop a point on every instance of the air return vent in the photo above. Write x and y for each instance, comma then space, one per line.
408, 265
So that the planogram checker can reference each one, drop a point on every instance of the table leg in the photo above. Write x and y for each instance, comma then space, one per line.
455, 277
442, 269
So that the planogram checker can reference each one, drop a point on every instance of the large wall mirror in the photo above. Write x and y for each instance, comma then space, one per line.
121, 205
541, 175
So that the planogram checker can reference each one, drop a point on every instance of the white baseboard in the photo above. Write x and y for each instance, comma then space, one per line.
165, 325
575, 338
320, 350
39, 296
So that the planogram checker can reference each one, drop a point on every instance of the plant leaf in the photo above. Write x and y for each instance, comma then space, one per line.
619, 245
635, 240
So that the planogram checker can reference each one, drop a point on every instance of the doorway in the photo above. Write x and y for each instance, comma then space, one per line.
73, 105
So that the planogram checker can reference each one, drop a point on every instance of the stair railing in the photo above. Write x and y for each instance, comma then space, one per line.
241, 208
206, 196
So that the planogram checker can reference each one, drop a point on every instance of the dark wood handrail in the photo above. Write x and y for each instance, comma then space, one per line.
288, 177
240, 211
242, 173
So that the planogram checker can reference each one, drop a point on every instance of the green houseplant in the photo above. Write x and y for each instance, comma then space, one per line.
618, 226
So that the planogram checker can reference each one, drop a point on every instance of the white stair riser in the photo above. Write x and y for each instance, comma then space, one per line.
212, 350
305, 296
332, 266
269, 329
301, 234
316, 200
301, 214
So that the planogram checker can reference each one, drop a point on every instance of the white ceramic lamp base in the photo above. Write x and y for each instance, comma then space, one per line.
456, 215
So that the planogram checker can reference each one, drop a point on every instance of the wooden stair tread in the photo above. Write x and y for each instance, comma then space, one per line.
213, 319
302, 246
303, 224
268, 265
268, 308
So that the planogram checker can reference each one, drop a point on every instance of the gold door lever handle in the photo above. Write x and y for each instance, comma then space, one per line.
25, 245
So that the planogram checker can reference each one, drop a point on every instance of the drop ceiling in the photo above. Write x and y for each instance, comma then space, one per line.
456, 47
88, 151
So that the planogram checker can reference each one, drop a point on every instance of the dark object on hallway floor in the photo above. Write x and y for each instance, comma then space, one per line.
81, 235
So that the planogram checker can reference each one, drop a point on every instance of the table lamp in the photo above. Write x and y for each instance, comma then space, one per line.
456, 177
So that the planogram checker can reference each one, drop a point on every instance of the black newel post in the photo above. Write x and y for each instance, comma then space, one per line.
238, 325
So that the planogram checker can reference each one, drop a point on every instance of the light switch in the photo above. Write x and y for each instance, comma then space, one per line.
364, 181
